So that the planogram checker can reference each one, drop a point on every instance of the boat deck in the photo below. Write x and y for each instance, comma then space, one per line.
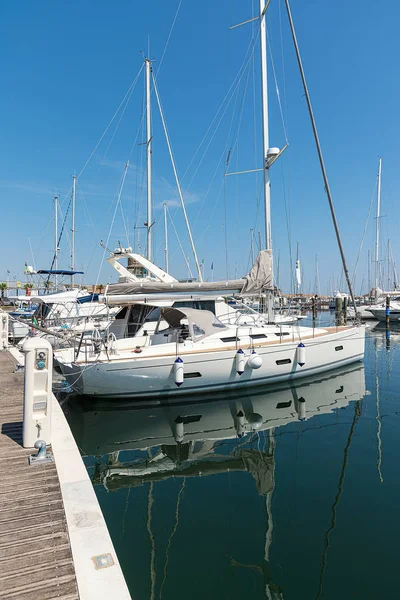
35, 553
127, 353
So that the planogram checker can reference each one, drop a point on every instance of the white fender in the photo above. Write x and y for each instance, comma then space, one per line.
255, 420
301, 411
240, 424
179, 430
255, 360
240, 361
301, 355
179, 371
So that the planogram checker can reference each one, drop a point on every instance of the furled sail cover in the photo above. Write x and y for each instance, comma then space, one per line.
258, 280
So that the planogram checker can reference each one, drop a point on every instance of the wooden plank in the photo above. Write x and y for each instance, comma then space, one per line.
35, 552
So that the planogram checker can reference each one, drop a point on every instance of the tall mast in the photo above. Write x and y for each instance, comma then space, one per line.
166, 237
73, 228
148, 144
56, 237
369, 272
378, 215
265, 137
265, 128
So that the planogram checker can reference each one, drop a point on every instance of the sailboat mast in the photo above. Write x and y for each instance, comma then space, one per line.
73, 228
148, 144
56, 237
369, 272
378, 215
265, 124
166, 238
252, 245
265, 138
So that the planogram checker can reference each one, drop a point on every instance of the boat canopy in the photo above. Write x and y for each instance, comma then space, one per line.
58, 272
88, 298
201, 322
258, 280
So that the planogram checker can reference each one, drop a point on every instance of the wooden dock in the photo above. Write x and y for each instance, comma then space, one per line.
35, 554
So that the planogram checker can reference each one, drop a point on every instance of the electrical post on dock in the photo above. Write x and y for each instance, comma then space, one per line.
38, 392
4, 330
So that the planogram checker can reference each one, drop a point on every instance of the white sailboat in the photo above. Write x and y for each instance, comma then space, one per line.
191, 351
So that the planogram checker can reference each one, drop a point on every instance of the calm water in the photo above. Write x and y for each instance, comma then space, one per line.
290, 510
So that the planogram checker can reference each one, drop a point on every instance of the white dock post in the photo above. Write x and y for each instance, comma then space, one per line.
37, 391
4, 330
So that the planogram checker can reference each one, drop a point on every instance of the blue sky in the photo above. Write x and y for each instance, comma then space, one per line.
68, 64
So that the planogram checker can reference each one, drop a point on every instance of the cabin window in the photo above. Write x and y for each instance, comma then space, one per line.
337, 348
153, 314
282, 333
283, 361
228, 340
191, 375
258, 336
122, 313
138, 315
198, 330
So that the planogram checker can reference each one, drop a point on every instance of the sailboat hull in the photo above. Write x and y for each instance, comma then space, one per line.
214, 370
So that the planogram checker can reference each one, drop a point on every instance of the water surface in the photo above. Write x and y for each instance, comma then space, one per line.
268, 506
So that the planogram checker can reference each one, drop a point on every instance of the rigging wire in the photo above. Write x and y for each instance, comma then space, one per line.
132, 86
168, 38
320, 156
116, 129
180, 245
112, 222
227, 99
364, 232
177, 180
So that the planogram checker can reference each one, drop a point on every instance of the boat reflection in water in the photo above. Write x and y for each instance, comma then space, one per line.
129, 447
187, 435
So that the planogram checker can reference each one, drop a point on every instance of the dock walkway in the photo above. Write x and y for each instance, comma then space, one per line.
35, 551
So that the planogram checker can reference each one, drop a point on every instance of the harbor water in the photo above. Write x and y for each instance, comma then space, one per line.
288, 492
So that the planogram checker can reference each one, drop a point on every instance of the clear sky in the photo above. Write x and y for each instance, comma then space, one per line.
67, 65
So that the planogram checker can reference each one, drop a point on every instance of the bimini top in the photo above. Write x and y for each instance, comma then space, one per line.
58, 272
201, 322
